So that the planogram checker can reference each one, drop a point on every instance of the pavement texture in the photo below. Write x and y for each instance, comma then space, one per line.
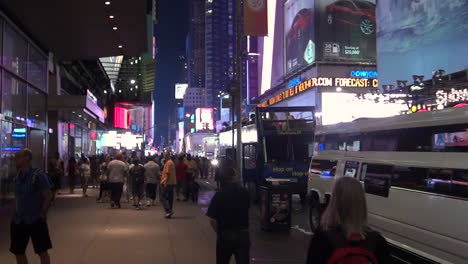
85, 232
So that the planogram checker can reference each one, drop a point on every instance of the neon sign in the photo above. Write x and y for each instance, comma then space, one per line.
364, 74
321, 82
452, 96
294, 82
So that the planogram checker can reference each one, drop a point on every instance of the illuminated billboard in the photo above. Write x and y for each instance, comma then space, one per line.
346, 107
346, 30
204, 119
121, 117
299, 34
419, 37
180, 89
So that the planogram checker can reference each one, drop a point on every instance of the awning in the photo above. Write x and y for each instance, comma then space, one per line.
76, 107
83, 29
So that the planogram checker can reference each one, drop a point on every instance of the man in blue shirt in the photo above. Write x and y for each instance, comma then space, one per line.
32, 198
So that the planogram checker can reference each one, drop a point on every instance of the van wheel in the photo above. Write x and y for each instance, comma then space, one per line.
314, 215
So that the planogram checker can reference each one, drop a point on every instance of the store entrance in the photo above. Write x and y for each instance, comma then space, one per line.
37, 140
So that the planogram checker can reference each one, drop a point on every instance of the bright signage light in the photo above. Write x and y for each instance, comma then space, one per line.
180, 89
346, 107
204, 119
121, 117
322, 82
364, 74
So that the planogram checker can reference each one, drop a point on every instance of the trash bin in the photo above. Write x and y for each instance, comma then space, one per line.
275, 206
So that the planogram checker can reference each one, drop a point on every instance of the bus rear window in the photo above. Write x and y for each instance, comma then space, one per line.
323, 167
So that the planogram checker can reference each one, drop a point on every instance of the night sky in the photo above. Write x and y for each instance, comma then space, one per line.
170, 32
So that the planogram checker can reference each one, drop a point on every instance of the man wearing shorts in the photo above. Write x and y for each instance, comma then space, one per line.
32, 199
137, 179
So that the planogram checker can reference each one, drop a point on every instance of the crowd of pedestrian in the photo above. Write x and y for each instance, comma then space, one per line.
343, 236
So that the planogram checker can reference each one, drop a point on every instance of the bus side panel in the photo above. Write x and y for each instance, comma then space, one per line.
296, 172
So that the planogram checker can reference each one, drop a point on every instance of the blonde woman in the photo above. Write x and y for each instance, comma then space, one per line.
343, 233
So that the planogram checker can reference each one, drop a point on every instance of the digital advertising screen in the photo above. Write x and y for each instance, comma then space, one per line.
299, 34
204, 119
121, 117
180, 89
346, 30
347, 107
419, 37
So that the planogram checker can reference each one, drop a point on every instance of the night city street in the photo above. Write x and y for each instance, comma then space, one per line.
234, 131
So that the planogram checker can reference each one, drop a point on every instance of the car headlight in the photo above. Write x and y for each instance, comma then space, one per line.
214, 162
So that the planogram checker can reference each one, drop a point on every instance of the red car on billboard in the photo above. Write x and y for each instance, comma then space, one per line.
356, 13
298, 37
301, 23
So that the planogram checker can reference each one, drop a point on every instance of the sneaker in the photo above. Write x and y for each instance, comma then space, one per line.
169, 215
138, 208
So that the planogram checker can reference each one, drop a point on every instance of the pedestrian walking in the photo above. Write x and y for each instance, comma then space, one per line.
137, 177
85, 173
32, 198
103, 180
117, 172
343, 235
181, 176
152, 179
72, 173
229, 217
95, 172
191, 174
168, 181
60, 173
53, 175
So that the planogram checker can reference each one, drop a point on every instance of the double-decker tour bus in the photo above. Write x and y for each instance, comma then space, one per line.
414, 169
277, 147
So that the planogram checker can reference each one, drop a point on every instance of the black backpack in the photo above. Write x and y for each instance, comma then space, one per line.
138, 174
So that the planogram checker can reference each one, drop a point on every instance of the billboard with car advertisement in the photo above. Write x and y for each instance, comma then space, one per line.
346, 30
299, 34
417, 37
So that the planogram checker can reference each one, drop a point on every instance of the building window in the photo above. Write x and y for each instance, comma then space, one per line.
13, 98
37, 69
36, 108
15, 50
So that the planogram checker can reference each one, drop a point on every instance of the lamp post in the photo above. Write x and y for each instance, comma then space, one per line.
238, 91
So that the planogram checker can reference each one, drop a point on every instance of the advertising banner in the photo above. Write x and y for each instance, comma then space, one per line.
255, 18
346, 30
204, 119
180, 89
420, 37
299, 34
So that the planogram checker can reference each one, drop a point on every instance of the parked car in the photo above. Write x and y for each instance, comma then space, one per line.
356, 13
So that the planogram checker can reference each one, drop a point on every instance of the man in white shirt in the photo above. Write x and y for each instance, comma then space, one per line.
117, 171
152, 179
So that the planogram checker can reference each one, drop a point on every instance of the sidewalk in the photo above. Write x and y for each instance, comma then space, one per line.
86, 232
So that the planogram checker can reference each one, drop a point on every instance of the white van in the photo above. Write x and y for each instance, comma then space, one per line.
414, 170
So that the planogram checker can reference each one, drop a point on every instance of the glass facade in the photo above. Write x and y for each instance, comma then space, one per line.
23, 119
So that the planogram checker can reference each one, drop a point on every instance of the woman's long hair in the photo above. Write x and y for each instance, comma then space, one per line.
347, 209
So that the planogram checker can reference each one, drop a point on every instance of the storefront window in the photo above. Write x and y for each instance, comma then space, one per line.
37, 108
15, 51
12, 138
37, 69
13, 98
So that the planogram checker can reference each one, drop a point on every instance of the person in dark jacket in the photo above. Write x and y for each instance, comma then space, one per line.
345, 217
229, 217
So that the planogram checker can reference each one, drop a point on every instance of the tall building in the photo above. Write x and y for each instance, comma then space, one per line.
196, 44
220, 47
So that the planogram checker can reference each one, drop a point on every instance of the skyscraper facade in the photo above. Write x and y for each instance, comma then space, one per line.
220, 47
196, 44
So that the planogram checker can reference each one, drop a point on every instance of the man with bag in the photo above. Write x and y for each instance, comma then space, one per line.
32, 198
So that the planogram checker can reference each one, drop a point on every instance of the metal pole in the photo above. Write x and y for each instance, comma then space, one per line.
239, 61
